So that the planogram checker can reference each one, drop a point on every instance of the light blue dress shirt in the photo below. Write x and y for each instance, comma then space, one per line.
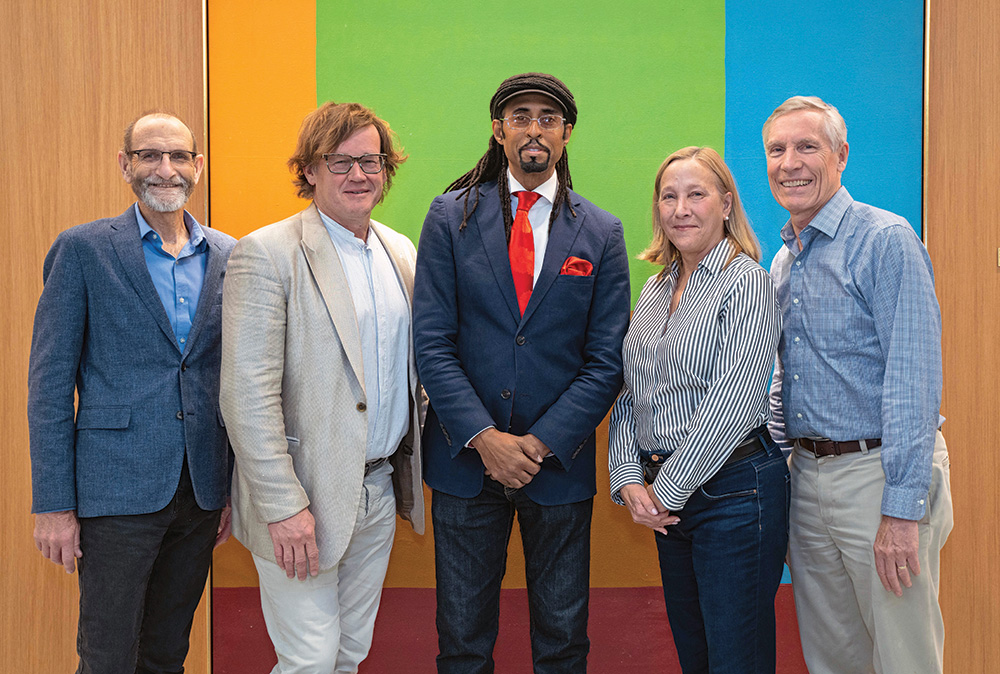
383, 315
860, 354
178, 280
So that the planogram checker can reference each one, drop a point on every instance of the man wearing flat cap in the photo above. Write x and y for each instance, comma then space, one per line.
521, 301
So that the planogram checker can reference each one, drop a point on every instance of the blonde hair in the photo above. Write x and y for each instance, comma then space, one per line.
736, 229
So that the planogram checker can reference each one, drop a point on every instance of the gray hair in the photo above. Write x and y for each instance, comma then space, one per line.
833, 124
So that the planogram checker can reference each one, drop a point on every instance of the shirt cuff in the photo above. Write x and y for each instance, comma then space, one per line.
626, 473
904, 503
670, 495
469, 443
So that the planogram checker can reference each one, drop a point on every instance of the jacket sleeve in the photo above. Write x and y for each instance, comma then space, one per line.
253, 346
56, 350
435, 334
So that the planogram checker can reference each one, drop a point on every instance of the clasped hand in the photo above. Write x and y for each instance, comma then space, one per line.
511, 460
646, 509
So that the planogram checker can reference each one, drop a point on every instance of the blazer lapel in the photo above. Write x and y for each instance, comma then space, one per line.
214, 272
333, 286
488, 219
128, 246
562, 235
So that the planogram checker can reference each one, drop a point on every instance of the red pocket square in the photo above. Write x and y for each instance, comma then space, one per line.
575, 266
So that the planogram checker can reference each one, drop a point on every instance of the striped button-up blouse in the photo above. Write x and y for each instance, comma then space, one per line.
696, 381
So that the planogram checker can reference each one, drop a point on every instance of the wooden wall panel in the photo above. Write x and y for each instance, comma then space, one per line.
962, 182
75, 72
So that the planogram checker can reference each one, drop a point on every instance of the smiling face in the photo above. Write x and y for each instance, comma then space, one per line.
165, 187
532, 153
349, 197
691, 208
802, 168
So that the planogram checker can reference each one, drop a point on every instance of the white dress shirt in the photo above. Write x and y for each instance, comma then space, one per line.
384, 328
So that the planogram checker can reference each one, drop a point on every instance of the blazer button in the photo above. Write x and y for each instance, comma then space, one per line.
505, 394
184, 367
361, 406
520, 340
179, 415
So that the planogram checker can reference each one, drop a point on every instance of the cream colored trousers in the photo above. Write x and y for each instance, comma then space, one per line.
849, 623
324, 624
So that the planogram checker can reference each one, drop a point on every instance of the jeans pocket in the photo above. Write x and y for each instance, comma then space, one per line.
724, 495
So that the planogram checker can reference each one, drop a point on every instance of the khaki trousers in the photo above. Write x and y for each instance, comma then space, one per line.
848, 622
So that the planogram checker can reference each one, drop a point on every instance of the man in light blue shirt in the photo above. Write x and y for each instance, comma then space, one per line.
856, 397
132, 484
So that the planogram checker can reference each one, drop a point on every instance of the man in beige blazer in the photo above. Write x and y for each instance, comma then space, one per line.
320, 395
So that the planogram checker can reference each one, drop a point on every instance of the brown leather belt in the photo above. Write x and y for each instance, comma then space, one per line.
373, 464
834, 448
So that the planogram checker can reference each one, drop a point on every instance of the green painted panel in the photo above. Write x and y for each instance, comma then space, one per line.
648, 77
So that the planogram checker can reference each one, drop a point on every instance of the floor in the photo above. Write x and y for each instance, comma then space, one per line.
628, 632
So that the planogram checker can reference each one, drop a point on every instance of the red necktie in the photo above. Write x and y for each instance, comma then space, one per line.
522, 248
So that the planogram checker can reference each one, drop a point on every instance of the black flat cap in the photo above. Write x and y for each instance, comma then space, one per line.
534, 83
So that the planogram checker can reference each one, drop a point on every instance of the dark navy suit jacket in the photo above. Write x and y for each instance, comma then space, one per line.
553, 373
101, 331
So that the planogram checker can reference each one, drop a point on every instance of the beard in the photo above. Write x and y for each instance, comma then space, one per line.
537, 163
165, 204
535, 166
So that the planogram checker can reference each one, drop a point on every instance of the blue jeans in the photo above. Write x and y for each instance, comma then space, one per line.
470, 547
141, 577
721, 567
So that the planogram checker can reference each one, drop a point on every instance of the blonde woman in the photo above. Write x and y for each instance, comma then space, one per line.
690, 455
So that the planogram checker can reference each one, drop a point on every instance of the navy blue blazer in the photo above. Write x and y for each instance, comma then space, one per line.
553, 373
101, 332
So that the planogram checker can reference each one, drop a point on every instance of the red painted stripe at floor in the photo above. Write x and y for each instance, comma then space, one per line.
628, 632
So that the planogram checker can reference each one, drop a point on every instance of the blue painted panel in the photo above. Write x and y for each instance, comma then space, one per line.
866, 58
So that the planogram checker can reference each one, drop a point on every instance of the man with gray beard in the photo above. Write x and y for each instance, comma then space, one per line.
131, 487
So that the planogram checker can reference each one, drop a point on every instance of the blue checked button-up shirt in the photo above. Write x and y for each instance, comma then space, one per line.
178, 280
860, 355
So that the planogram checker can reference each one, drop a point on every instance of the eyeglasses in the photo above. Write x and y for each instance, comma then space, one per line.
546, 122
154, 157
342, 163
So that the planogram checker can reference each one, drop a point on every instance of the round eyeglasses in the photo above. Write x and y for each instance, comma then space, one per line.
546, 122
342, 163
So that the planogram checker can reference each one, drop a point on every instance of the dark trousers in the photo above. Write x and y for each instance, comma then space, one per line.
721, 567
470, 547
141, 577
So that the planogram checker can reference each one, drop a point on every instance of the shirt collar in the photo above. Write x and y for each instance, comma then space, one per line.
339, 233
827, 220
546, 190
195, 235
714, 262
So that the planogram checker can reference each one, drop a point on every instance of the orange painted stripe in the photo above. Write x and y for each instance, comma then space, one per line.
261, 83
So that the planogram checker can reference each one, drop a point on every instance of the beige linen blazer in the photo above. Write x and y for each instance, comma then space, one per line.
292, 386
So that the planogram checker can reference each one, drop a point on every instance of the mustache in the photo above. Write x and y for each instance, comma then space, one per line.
535, 143
152, 181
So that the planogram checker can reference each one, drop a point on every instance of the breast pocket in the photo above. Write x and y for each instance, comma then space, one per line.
569, 298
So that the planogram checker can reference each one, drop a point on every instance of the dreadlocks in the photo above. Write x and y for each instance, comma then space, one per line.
493, 165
